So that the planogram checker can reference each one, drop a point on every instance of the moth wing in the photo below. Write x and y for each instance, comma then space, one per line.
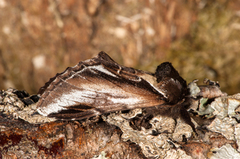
95, 87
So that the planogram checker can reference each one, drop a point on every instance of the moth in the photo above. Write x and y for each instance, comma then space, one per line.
100, 85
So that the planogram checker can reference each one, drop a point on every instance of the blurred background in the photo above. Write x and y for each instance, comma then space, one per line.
40, 38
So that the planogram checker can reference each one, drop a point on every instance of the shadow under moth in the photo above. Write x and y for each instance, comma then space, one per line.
100, 85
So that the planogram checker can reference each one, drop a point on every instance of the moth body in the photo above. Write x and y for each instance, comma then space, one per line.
100, 85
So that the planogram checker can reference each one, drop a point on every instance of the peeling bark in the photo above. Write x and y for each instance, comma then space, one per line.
113, 136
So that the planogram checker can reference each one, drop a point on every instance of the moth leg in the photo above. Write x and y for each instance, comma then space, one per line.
141, 121
145, 121
186, 118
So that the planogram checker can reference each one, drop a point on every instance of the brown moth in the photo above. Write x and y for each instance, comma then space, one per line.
100, 85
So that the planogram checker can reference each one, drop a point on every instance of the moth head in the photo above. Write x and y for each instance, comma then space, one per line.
166, 70
170, 82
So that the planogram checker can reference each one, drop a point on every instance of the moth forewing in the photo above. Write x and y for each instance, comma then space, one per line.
96, 87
